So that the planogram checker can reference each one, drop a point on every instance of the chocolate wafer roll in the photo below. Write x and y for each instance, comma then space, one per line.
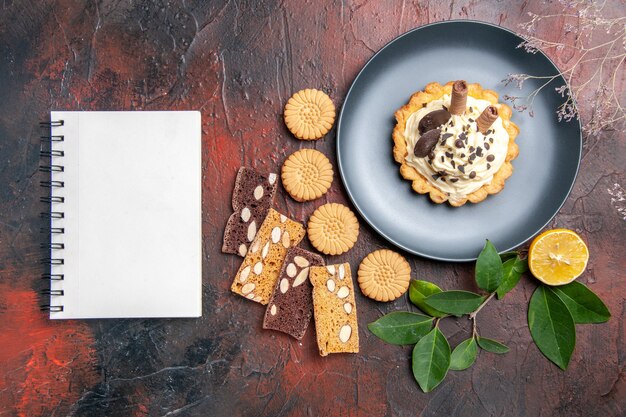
459, 97
486, 119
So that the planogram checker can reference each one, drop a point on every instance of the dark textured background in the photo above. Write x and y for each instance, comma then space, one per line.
238, 62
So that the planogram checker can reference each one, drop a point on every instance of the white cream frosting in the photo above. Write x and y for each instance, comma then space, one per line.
448, 158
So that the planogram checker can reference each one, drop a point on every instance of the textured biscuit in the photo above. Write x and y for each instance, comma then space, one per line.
336, 325
434, 91
384, 275
259, 270
291, 306
309, 114
333, 229
252, 198
307, 175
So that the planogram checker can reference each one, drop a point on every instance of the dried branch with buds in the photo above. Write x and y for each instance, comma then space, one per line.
597, 46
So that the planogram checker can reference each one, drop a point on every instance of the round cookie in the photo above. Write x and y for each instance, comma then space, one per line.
309, 114
307, 175
384, 275
333, 229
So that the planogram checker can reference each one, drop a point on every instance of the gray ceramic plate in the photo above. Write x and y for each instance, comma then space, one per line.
544, 171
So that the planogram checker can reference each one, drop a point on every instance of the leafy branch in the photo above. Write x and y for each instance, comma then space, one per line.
552, 313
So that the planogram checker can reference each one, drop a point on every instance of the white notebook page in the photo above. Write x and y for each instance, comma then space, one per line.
132, 214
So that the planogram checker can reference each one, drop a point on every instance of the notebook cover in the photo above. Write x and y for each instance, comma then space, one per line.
132, 214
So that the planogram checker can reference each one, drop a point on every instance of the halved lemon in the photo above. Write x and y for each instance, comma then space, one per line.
557, 256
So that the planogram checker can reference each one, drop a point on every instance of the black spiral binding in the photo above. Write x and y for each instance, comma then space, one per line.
47, 153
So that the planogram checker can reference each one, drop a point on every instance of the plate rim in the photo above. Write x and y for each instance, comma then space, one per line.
338, 142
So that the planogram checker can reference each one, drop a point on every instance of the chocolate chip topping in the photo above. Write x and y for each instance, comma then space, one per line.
472, 174
433, 120
426, 143
490, 158
459, 143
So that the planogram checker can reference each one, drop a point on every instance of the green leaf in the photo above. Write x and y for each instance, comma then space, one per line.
418, 291
488, 268
492, 346
455, 302
512, 271
464, 355
401, 327
505, 256
431, 360
521, 265
551, 326
582, 303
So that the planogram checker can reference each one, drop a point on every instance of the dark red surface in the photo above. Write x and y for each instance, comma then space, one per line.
238, 62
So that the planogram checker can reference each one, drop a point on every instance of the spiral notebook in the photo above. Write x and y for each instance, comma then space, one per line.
125, 236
